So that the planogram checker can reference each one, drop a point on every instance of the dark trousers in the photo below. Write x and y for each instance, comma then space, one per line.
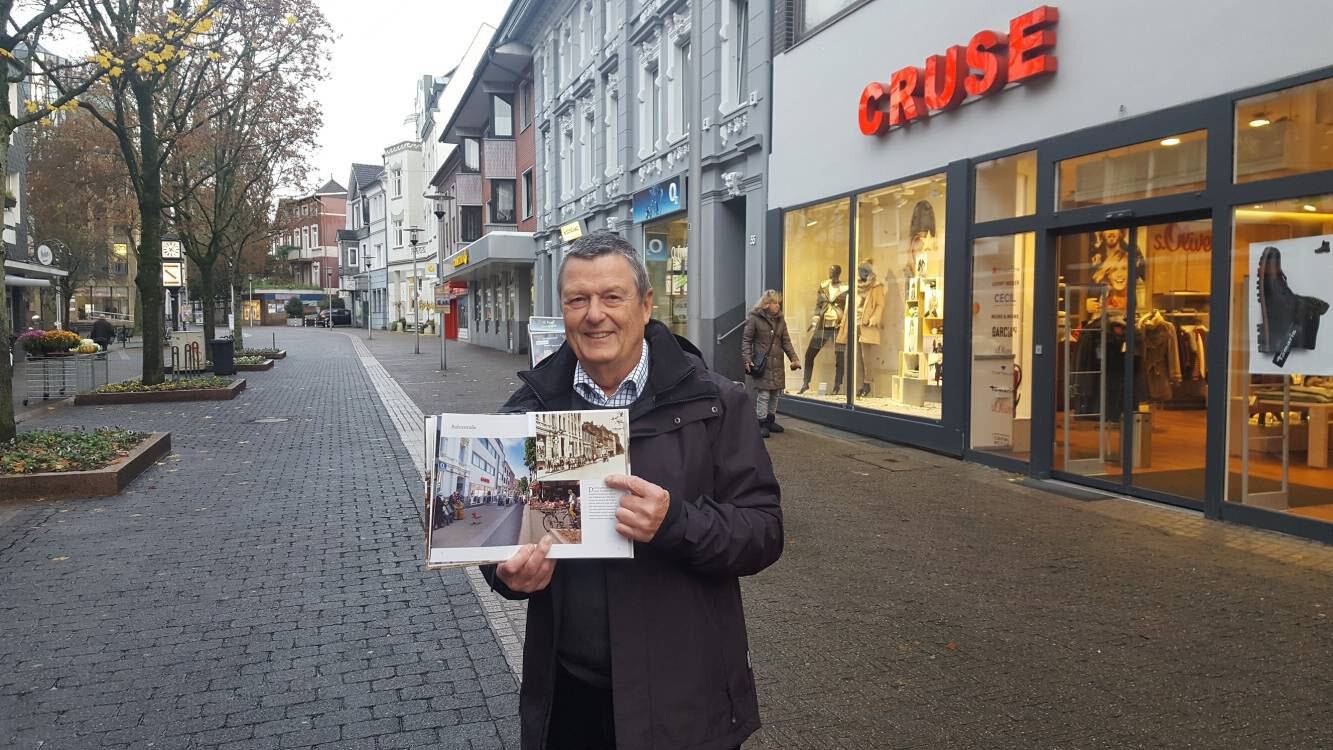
582, 716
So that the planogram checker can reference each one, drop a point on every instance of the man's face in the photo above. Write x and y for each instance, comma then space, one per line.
604, 315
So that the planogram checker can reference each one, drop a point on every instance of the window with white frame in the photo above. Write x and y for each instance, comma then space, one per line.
677, 100
569, 53
553, 66
305, 237
735, 38
397, 182
611, 17
314, 236
567, 159
587, 30
502, 116
587, 127
397, 232
526, 196
548, 171
650, 107
611, 125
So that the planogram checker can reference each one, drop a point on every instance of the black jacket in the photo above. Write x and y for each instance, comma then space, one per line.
102, 331
680, 664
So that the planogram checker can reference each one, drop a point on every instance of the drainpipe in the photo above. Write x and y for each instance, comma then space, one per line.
694, 259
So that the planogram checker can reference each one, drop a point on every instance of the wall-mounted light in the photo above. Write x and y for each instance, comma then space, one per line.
1308, 207
1260, 121
812, 222
1172, 141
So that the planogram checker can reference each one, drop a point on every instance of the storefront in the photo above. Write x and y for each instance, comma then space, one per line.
496, 271
1096, 235
660, 212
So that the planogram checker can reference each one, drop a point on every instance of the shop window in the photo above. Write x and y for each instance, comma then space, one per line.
1285, 132
899, 318
666, 255
1167, 166
1006, 188
1280, 361
816, 293
1002, 293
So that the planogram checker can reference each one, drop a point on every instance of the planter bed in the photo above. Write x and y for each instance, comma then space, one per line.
280, 354
108, 480
149, 397
265, 365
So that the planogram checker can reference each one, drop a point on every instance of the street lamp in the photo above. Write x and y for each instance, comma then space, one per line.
369, 259
439, 260
416, 291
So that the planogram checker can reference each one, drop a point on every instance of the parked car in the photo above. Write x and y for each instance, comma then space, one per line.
335, 317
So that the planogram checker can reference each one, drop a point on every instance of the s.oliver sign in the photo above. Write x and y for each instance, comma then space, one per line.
989, 62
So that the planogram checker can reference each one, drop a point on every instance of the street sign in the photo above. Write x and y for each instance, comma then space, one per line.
173, 275
171, 249
571, 231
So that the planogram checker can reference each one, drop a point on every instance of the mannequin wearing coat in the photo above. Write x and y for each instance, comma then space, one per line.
869, 321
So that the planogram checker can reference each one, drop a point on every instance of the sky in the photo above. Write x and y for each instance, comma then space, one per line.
383, 49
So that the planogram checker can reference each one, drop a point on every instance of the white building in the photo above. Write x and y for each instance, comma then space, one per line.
402, 185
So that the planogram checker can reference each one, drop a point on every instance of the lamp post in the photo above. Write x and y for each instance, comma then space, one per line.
369, 259
439, 263
416, 292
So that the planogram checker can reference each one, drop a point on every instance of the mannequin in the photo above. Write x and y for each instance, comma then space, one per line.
869, 320
830, 310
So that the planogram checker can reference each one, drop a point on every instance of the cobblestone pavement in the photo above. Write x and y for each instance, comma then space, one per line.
260, 588
938, 605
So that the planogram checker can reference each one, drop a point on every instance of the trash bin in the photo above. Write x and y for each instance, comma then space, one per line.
224, 356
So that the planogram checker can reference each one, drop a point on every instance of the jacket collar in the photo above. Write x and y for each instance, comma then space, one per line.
671, 361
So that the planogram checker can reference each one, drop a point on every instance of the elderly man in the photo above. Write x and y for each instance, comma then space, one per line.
649, 652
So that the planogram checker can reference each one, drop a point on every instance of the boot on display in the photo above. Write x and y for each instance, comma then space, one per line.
1287, 320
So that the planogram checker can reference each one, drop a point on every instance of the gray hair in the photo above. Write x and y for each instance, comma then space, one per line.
600, 244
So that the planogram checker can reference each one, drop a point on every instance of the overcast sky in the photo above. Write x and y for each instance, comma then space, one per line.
383, 49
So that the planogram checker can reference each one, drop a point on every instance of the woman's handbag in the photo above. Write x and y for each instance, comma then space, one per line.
761, 359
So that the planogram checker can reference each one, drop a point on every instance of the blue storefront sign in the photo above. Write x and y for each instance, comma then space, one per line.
664, 198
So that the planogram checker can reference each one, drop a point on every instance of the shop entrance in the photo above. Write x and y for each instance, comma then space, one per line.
1130, 402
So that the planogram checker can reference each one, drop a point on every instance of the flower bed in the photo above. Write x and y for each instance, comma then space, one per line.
74, 450
207, 388
253, 364
266, 353
182, 384
117, 455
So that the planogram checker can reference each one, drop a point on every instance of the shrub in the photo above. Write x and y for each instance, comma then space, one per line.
295, 308
183, 384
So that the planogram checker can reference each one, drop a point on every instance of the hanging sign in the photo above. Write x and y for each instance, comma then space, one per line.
571, 231
172, 275
44, 255
989, 62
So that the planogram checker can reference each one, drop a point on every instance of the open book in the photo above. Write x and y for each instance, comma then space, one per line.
495, 482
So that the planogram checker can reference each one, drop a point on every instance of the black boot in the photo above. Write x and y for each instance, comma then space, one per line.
763, 429
773, 425
1288, 320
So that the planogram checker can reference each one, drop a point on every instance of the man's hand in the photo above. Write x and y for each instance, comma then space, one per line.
796, 364
642, 507
528, 571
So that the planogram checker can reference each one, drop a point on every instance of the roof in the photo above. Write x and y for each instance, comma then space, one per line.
331, 188
364, 174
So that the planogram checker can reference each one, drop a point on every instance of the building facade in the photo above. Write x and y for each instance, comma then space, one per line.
355, 242
410, 288
308, 235
1095, 233
652, 122
492, 258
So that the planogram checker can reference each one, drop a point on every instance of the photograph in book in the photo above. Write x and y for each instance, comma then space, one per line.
495, 482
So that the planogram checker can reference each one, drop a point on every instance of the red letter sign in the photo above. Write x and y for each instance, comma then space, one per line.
871, 117
905, 101
984, 58
1030, 42
944, 79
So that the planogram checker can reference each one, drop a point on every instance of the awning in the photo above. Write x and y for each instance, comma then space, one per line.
496, 248
33, 270
25, 281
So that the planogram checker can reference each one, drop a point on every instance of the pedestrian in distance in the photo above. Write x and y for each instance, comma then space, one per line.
648, 652
102, 332
763, 343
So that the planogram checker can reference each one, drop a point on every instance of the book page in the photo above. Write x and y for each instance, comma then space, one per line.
497, 482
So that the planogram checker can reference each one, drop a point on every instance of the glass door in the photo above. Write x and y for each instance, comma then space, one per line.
1131, 342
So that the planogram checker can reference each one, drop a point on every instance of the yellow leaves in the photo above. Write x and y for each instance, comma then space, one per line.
6, 53
161, 68
291, 19
181, 54
169, 51
115, 71
143, 65
47, 121
104, 59
31, 106
214, 56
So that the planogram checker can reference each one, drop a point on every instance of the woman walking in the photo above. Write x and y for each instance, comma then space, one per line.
763, 343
